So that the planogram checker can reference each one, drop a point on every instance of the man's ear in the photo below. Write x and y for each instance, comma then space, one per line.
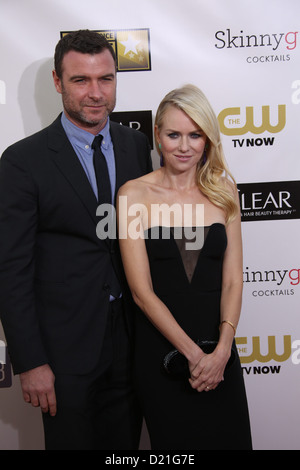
57, 82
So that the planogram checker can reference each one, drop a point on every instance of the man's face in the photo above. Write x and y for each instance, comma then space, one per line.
88, 88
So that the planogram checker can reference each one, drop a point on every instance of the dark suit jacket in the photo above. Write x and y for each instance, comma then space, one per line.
54, 270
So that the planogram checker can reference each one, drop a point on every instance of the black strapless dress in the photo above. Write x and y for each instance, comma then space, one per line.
189, 283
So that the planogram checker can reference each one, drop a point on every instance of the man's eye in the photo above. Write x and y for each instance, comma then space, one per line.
109, 78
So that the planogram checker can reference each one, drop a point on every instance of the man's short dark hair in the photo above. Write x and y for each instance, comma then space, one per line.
84, 41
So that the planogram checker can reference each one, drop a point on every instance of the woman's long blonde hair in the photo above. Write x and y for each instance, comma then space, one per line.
212, 174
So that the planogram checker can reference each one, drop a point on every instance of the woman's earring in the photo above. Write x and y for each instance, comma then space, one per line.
161, 156
204, 156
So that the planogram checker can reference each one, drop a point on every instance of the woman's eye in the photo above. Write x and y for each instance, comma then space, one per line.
173, 135
196, 135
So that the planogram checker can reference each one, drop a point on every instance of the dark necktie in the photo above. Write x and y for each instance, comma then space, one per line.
101, 172
104, 197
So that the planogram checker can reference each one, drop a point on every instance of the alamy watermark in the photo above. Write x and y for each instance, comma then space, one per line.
183, 221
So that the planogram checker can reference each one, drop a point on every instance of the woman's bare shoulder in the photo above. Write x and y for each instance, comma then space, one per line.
139, 186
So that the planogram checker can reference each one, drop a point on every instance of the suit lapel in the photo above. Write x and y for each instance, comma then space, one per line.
121, 160
66, 160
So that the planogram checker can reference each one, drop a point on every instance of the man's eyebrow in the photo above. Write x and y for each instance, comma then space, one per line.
76, 77
109, 75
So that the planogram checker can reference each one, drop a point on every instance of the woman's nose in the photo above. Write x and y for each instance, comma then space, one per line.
183, 144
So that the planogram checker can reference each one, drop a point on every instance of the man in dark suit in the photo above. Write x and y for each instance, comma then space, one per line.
63, 297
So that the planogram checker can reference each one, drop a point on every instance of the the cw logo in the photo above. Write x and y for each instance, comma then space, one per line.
256, 354
250, 126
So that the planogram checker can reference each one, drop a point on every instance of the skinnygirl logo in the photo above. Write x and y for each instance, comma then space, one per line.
272, 283
277, 276
228, 39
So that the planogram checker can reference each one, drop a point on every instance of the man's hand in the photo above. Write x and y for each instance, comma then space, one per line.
38, 388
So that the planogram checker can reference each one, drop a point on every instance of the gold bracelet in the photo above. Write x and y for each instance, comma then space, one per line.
229, 323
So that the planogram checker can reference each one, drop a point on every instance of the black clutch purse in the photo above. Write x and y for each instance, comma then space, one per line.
176, 365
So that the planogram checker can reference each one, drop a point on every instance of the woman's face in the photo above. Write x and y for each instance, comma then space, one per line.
182, 141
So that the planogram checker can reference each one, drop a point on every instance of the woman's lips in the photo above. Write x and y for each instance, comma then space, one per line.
183, 157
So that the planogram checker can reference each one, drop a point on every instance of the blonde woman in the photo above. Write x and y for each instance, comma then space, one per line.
180, 240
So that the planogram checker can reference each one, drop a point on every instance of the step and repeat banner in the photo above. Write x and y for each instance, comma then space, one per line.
245, 57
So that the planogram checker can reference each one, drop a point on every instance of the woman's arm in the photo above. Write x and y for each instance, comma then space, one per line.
232, 285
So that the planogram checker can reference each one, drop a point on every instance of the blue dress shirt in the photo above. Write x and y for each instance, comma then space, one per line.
81, 141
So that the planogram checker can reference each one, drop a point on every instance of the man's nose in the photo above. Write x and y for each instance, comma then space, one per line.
94, 90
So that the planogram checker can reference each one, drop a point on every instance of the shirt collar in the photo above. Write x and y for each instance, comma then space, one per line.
83, 138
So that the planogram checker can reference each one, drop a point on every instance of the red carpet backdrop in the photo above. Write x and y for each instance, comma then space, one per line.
245, 56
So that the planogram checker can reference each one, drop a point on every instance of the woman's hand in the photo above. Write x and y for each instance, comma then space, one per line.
209, 371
